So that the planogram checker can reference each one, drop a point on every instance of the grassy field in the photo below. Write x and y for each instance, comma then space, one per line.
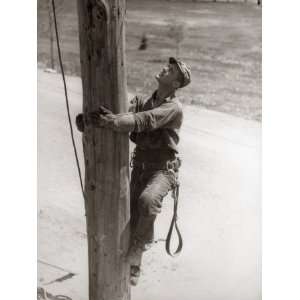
222, 44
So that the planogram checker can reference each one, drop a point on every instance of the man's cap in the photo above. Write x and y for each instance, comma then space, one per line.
184, 70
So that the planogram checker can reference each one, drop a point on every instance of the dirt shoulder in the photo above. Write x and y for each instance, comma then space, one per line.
219, 209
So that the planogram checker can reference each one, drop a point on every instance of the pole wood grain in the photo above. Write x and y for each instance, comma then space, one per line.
106, 153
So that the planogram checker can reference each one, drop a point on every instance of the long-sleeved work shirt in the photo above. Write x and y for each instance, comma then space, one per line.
157, 125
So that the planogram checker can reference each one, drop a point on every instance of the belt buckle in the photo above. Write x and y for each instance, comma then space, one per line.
169, 165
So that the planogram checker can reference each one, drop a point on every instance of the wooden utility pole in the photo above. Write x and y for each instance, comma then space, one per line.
106, 153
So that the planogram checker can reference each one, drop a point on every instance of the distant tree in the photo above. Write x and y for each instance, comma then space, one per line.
176, 32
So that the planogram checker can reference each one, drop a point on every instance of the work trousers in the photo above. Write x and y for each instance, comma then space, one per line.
147, 190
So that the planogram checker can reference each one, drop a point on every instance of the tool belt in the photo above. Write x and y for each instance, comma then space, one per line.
166, 165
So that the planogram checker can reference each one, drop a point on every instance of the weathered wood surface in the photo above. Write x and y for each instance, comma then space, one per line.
101, 33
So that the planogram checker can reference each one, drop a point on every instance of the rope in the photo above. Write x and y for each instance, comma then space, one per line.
66, 97
175, 195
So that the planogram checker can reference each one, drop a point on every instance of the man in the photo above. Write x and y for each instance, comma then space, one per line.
154, 124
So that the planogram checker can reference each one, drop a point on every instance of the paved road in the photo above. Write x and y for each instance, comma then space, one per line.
220, 207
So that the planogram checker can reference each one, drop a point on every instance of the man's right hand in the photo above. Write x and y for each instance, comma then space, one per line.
79, 122
98, 118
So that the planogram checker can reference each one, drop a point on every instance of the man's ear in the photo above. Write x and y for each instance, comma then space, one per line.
176, 84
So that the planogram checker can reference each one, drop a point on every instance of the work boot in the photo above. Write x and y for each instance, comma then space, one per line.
134, 257
135, 272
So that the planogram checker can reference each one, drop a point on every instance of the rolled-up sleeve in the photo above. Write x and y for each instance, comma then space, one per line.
167, 115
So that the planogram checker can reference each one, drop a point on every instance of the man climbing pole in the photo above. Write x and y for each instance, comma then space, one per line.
154, 125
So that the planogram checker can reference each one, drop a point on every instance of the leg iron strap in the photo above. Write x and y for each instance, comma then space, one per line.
175, 195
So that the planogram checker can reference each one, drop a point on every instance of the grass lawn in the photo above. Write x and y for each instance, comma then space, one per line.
222, 44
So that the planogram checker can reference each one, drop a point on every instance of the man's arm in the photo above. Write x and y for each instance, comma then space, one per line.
123, 122
168, 115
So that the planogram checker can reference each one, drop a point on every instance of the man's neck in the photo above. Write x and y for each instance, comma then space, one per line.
164, 92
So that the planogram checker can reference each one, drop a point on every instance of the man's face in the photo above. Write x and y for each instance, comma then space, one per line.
168, 75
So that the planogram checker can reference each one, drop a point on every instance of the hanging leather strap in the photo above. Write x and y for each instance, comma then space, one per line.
175, 196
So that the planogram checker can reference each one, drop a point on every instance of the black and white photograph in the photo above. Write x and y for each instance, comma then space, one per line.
149, 144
